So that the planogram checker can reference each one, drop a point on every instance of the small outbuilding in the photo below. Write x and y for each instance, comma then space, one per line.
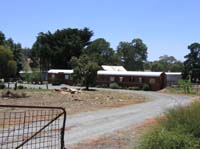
60, 76
173, 77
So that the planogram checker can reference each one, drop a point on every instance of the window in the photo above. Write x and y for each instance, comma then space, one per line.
66, 77
52, 76
140, 79
112, 79
131, 79
152, 81
121, 79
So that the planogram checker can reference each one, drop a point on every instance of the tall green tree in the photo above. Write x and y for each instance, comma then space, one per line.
11, 68
7, 64
177, 67
192, 63
54, 50
85, 70
167, 62
132, 54
2, 38
100, 51
157, 66
16, 48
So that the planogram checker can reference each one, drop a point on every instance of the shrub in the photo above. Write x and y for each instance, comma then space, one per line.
179, 129
114, 85
134, 88
185, 85
146, 87
163, 139
2, 85
21, 87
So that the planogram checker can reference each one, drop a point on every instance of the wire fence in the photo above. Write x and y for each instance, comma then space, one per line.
32, 127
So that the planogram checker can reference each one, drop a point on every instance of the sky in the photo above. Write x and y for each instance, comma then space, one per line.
165, 26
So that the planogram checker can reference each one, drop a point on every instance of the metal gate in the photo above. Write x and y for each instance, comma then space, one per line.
32, 127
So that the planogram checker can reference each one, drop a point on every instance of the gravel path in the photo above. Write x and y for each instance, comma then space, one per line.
93, 124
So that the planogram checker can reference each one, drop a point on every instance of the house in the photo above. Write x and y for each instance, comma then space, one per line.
110, 74
156, 80
60, 76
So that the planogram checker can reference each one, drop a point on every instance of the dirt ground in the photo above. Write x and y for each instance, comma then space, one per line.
75, 103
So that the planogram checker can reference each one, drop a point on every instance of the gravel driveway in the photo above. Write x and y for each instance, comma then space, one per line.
93, 124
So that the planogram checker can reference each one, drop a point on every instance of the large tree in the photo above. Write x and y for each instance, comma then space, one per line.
167, 62
85, 70
54, 50
2, 38
192, 63
100, 51
7, 64
132, 54
16, 49
157, 66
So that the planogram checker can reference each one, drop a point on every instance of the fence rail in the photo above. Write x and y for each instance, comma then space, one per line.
32, 127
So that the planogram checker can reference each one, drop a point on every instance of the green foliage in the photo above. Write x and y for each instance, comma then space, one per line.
177, 67
164, 139
7, 64
34, 77
179, 129
146, 87
185, 85
56, 49
85, 71
132, 55
2, 38
2, 85
21, 87
168, 64
17, 51
100, 52
114, 85
157, 66
134, 88
11, 68
191, 69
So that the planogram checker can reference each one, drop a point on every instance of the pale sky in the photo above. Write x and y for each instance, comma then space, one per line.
165, 26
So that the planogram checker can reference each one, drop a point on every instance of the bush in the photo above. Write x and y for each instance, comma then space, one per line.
134, 88
146, 87
179, 129
114, 85
2, 85
164, 139
21, 87
185, 85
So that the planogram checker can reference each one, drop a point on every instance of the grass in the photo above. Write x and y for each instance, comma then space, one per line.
177, 90
179, 129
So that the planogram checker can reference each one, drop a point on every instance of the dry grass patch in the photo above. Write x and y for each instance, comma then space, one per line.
75, 103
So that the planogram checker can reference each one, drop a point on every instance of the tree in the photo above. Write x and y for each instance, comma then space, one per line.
192, 63
16, 48
177, 67
2, 38
132, 55
11, 68
167, 61
56, 49
7, 65
99, 50
85, 70
157, 66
